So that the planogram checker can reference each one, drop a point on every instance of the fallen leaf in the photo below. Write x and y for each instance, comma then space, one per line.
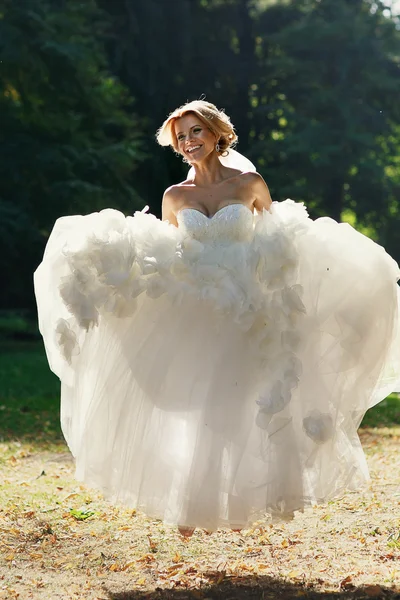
29, 514
146, 558
152, 544
81, 514
294, 574
177, 557
346, 583
72, 495
36, 555
173, 570
220, 578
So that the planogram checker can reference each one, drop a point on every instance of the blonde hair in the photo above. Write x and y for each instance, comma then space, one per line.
216, 121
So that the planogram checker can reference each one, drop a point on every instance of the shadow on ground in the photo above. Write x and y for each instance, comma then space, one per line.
258, 588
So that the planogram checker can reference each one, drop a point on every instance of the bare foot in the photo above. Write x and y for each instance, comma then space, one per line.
186, 532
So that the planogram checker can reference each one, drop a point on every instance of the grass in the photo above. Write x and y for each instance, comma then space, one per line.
384, 414
60, 540
29, 393
18, 326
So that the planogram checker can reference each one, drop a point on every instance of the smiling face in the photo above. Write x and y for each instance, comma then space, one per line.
195, 140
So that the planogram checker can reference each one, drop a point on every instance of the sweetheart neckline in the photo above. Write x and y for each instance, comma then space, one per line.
216, 213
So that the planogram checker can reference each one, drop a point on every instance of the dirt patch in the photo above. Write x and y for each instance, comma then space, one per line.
60, 540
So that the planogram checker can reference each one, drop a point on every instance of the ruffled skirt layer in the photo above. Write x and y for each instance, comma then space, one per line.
210, 385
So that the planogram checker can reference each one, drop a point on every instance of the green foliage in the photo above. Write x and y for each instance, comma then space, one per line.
20, 249
335, 64
81, 514
68, 141
384, 414
18, 325
29, 394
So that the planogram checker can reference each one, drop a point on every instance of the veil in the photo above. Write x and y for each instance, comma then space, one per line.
233, 160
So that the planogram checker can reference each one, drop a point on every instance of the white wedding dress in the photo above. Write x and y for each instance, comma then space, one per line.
217, 372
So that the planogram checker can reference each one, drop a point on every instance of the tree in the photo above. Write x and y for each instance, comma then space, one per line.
335, 64
68, 143
169, 52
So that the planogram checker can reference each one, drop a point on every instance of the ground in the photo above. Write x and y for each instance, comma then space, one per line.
61, 540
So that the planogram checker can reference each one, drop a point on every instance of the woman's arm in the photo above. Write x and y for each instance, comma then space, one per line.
168, 206
261, 195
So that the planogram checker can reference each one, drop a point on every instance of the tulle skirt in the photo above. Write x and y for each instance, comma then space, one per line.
210, 392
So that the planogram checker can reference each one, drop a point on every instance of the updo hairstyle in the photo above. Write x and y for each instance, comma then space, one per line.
216, 121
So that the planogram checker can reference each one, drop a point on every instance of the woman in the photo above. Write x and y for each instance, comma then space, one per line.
211, 186
216, 365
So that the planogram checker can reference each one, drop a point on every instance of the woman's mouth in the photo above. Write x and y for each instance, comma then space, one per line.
192, 149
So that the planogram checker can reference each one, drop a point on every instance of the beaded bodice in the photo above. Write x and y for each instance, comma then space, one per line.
232, 223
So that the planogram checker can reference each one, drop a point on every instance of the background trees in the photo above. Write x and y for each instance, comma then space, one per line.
311, 85
68, 140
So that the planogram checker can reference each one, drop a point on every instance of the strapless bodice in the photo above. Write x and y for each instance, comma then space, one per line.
232, 223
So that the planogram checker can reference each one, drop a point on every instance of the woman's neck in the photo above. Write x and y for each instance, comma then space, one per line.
209, 171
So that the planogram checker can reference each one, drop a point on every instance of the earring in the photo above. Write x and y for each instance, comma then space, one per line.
217, 147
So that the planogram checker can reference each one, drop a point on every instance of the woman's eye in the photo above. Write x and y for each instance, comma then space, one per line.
180, 138
197, 130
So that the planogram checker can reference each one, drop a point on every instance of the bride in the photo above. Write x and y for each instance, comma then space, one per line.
211, 186
216, 364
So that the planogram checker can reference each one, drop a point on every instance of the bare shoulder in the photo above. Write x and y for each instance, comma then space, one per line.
171, 203
253, 180
172, 193
172, 196
258, 189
